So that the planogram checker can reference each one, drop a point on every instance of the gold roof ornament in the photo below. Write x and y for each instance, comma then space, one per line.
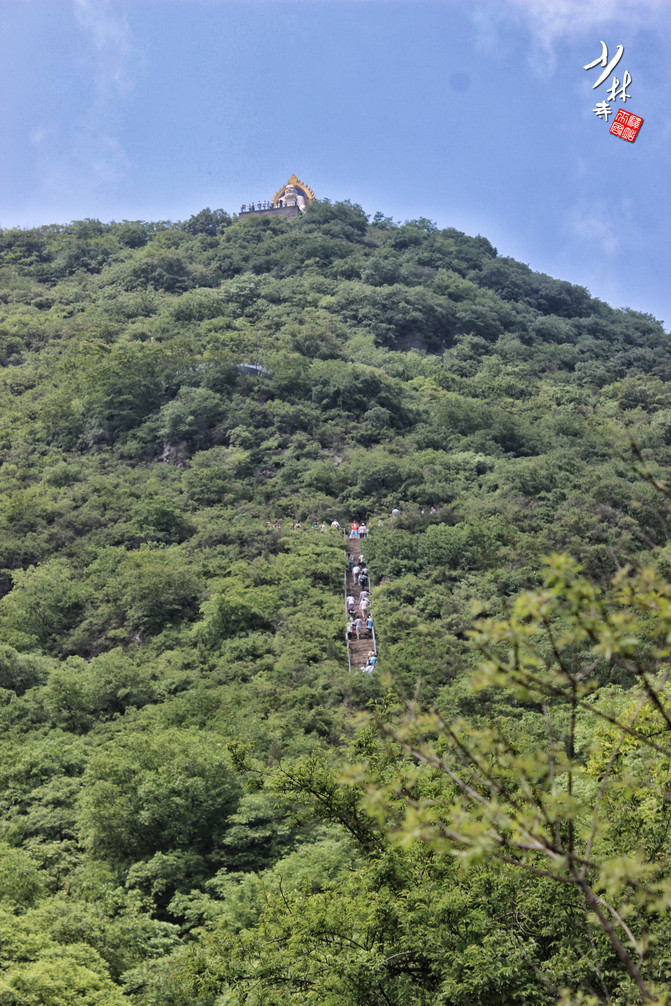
295, 193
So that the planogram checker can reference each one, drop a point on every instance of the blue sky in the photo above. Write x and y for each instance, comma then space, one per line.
477, 115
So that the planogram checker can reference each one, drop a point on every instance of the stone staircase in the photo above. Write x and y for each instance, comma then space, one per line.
359, 649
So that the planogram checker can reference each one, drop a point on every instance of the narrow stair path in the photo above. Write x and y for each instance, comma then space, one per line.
359, 649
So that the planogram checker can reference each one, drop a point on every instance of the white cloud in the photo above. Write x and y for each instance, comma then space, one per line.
105, 29
108, 160
554, 19
595, 224
94, 159
551, 21
40, 135
112, 43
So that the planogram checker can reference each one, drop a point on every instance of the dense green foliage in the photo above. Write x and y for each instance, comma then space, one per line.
174, 693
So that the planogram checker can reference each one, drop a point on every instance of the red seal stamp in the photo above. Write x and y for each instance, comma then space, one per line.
626, 125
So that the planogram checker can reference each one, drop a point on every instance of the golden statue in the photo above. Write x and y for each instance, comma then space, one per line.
294, 193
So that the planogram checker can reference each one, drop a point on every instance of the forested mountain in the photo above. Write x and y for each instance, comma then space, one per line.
200, 803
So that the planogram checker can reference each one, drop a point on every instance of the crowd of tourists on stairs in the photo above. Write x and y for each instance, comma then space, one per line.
360, 619
360, 623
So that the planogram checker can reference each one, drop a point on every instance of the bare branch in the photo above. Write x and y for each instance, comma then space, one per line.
632, 968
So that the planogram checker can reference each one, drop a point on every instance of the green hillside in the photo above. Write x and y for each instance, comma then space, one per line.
200, 803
